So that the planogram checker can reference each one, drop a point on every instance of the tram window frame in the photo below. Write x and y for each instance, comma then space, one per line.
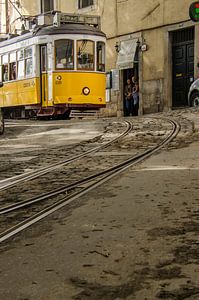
28, 57
5, 66
13, 66
63, 63
20, 54
5, 75
43, 59
78, 54
5, 59
100, 56
28, 67
20, 64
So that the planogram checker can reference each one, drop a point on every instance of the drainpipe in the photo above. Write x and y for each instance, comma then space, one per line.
118, 93
116, 19
140, 59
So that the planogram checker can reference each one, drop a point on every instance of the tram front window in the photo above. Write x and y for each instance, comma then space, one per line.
85, 55
64, 54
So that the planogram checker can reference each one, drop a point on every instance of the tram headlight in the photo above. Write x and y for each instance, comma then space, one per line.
59, 77
86, 91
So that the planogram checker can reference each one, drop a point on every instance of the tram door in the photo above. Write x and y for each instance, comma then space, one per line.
43, 75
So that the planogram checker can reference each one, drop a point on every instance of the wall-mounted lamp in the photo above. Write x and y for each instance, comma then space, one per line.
117, 47
142, 46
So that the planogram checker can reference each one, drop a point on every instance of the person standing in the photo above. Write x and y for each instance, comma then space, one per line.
135, 96
128, 92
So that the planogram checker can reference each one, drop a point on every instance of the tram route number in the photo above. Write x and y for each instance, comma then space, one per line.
58, 82
28, 84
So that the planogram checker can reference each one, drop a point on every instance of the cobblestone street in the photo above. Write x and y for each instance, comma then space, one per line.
134, 237
99, 150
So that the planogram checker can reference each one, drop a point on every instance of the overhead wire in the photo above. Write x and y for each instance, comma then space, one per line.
22, 16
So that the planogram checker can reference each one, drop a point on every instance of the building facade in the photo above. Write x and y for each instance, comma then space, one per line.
153, 40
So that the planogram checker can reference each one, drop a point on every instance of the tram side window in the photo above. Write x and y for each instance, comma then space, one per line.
5, 72
64, 54
28, 67
100, 57
13, 74
28, 62
20, 64
85, 55
12, 66
5, 68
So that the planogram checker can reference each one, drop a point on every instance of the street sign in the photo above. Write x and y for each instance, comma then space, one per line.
194, 11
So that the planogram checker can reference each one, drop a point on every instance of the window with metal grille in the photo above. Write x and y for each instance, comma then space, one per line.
183, 35
47, 5
85, 3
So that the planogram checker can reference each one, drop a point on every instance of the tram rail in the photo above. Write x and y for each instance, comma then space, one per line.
10, 182
78, 189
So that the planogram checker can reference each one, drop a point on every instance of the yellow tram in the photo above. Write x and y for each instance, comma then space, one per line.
54, 69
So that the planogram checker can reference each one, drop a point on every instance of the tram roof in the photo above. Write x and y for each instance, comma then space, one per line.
69, 28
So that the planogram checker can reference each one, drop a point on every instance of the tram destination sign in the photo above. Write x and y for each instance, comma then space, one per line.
62, 18
194, 11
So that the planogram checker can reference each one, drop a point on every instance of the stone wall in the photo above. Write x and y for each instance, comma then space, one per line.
152, 96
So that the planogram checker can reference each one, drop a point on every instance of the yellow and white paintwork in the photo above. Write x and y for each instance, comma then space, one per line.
20, 92
68, 86
58, 87
66, 89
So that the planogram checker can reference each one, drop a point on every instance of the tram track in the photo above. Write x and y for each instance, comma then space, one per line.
78, 188
10, 182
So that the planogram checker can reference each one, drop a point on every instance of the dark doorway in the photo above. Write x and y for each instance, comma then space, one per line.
128, 74
183, 65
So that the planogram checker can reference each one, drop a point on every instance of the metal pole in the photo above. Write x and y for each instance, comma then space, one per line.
7, 16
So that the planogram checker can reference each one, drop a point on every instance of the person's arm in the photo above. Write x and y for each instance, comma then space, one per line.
126, 91
136, 87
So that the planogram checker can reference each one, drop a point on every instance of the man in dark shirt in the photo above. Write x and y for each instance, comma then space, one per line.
128, 92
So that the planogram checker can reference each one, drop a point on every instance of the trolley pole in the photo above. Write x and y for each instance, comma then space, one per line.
7, 16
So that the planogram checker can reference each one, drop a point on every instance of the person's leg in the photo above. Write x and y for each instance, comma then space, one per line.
132, 107
127, 107
135, 105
